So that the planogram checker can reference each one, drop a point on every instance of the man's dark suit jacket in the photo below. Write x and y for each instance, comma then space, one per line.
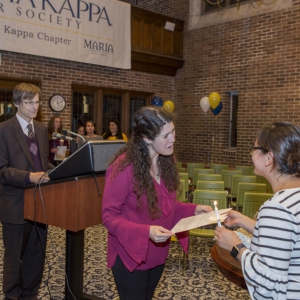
15, 162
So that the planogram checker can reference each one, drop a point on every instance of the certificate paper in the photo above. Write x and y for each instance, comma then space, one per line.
199, 220
61, 153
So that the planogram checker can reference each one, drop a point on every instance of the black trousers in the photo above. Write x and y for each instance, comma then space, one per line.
136, 285
24, 257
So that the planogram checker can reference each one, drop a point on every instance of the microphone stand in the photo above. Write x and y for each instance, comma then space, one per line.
73, 133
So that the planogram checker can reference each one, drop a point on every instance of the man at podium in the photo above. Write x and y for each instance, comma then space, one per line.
23, 161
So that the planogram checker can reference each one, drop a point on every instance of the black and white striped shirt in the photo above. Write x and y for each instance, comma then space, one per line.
272, 265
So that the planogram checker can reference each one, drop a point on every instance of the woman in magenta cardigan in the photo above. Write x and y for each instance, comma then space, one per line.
140, 206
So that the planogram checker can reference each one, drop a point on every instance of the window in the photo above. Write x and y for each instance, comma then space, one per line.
135, 104
213, 5
101, 106
83, 108
112, 109
234, 96
7, 108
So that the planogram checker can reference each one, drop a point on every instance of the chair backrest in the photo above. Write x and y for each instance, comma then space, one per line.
191, 166
219, 167
244, 187
181, 170
240, 178
261, 179
181, 197
226, 176
209, 197
211, 177
253, 201
179, 164
247, 170
210, 185
185, 177
201, 171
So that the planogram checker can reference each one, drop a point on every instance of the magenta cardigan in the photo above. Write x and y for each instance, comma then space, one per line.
128, 229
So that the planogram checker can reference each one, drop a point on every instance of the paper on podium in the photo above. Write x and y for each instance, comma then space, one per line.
199, 220
61, 153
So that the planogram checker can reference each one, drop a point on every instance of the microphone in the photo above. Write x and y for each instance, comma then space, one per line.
61, 136
64, 131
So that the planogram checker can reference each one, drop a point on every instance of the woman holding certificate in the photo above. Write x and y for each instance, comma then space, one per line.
55, 126
140, 207
271, 265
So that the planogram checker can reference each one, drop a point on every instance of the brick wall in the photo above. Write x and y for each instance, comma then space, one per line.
257, 56
57, 76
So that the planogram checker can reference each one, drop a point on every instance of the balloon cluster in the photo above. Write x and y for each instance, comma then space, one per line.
168, 105
212, 102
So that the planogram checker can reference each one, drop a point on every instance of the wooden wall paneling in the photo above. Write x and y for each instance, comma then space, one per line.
155, 49
136, 32
157, 37
146, 35
168, 42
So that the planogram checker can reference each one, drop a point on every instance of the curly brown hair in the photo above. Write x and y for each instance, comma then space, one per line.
148, 123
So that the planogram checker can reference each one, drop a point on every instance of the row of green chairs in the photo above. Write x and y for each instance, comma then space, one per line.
193, 169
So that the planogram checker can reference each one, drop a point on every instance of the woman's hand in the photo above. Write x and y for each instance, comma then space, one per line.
226, 238
236, 219
159, 234
202, 209
54, 150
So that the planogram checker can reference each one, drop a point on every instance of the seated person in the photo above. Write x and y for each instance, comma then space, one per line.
114, 132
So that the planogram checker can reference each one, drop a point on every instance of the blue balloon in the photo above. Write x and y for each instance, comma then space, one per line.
218, 109
157, 101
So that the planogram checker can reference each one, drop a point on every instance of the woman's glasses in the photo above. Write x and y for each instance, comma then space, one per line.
252, 149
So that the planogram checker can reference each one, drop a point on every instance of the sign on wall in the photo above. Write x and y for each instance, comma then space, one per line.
89, 31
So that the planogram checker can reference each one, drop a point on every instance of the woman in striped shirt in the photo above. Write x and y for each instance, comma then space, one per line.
271, 266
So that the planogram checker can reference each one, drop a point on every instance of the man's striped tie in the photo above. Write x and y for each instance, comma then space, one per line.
30, 131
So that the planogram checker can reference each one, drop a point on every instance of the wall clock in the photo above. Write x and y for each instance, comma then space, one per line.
57, 102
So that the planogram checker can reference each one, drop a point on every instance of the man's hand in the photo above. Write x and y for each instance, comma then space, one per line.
38, 177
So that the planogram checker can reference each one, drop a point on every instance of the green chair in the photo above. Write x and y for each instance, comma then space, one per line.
247, 170
219, 167
244, 187
191, 166
236, 179
208, 198
253, 202
209, 177
181, 170
226, 176
179, 164
210, 185
185, 177
181, 197
201, 171
261, 179
181, 252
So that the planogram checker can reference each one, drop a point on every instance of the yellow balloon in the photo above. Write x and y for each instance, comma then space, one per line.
214, 99
169, 106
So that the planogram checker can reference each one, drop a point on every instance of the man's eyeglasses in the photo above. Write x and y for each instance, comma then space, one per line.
253, 148
32, 103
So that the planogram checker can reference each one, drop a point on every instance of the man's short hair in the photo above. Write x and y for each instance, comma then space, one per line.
25, 91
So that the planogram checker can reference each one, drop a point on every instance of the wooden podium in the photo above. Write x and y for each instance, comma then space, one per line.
73, 204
